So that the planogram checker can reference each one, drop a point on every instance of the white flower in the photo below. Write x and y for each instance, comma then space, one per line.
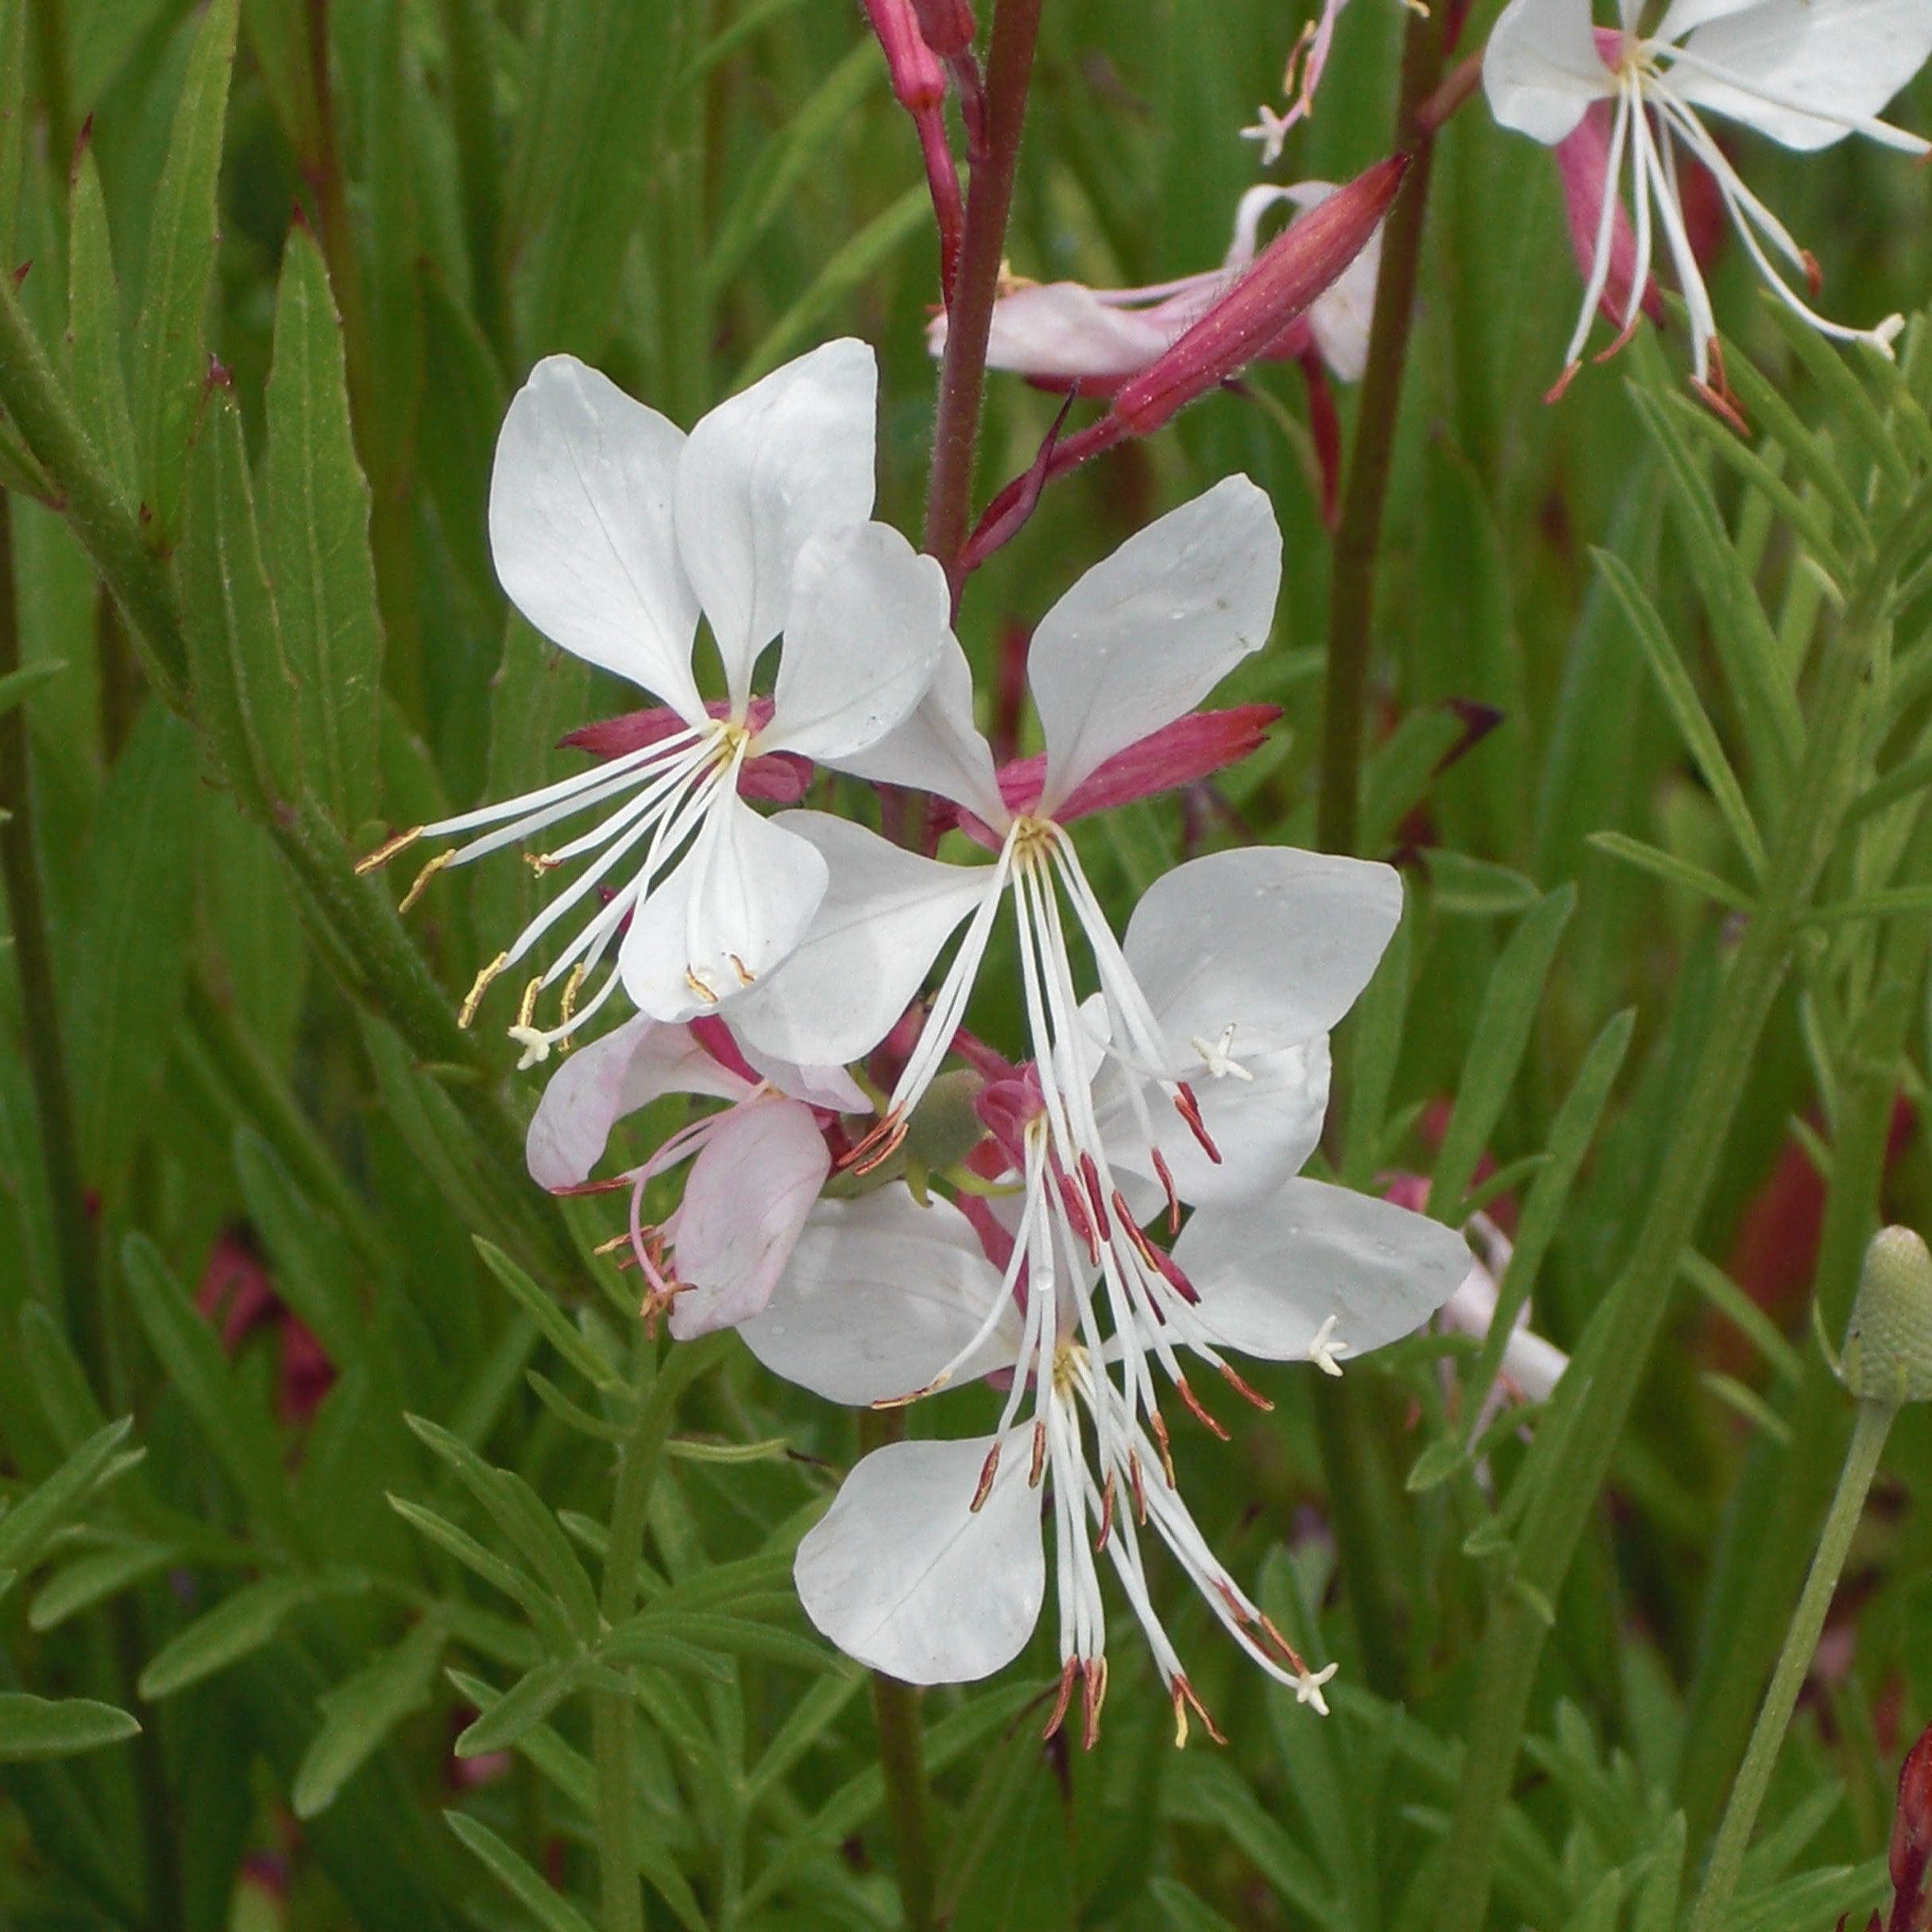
613, 532
757, 1166
929, 1564
1805, 72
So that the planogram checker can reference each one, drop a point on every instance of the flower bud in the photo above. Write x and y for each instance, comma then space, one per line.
946, 26
918, 82
1306, 258
945, 1126
1888, 1346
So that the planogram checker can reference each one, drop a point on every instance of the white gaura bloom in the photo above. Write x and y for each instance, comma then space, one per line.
757, 1164
930, 1565
1805, 72
1139, 641
614, 533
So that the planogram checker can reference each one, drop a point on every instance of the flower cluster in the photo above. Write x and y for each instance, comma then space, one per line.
1097, 1215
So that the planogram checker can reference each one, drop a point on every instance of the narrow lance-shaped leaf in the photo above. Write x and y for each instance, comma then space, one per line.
40, 1727
316, 516
96, 362
361, 1711
243, 693
235, 1628
180, 266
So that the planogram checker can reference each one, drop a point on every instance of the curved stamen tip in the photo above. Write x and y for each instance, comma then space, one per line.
1069, 1671
1093, 1694
988, 1471
473, 998
879, 1146
374, 861
1555, 391
1185, 1699
1199, 1414
1189, 1109
1245, 1390
1038, 1468
419, 884
1815, 276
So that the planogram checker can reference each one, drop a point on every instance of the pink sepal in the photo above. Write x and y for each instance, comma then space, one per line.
1191, 748
773, 777
1582, 158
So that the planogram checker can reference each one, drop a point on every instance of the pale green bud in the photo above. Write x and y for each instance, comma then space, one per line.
1888, 1346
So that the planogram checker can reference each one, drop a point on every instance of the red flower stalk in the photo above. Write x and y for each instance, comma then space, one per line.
919, 85
1911, 1843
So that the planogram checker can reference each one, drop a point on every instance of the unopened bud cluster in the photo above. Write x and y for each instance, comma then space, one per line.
1888, 1355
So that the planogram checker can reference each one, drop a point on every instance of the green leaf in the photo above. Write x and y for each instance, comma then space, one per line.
361, 1711
96, 364
95, 1578
25, 1528
1184, 1911
521, 1516
235, 1425
127, 963
18, 685
1496, 1048
169, 351
244, 690
15, 120
491, 1567
42, 1727
1668, 867
1686, 710
316, 520
315, 1272
526, 1704
1477, 887
235, 1628
553, 1912
561, 1333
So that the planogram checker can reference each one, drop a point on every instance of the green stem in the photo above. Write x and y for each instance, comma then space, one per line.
1572, 1452
1727, 1855
1790, 1483
902, 1745
1359, 534
989, 204
613, 1715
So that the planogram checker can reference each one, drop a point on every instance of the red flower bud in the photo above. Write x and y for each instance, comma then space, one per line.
947, 26
1911, 1842
918, 82
1301, 261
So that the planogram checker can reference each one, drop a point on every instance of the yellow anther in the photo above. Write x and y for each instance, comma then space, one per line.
382, 854
526, 1007
423, 878
745, 974
699, 987
473, 998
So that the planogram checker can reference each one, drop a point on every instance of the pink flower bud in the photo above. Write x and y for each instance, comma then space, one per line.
947, 26
1290, 273
918, 81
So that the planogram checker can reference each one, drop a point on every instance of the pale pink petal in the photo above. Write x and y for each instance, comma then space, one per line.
745, 1201
599, 1084
1582, 158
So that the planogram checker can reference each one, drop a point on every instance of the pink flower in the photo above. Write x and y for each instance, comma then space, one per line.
757, 1166
1060, 334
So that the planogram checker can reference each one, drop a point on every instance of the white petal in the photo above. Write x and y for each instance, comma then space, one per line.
788, 457
738, 901
1275, 941
1143, 637
1341, 316
1847, 58
939, 748
582, 530
1264, 1127
1270, 1274
599, 1084
745, 1201
880, 1295
902, 1575
885, 915
1541, 68
868, 616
